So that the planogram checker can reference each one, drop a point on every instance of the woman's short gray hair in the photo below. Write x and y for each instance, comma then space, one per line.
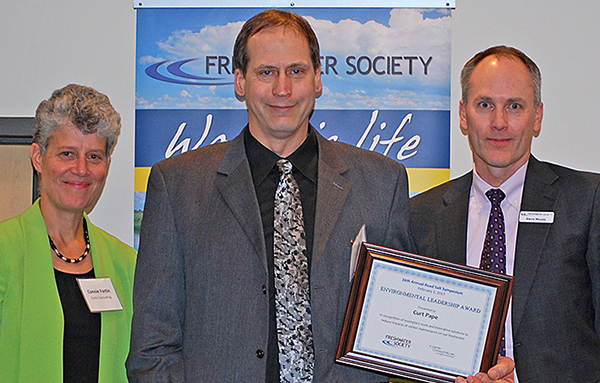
87, 109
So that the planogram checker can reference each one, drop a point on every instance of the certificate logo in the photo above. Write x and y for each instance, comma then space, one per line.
394, 341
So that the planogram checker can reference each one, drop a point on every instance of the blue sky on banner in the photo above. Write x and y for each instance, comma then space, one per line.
403, 64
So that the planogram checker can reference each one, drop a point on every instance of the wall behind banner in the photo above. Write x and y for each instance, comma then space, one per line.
45, 45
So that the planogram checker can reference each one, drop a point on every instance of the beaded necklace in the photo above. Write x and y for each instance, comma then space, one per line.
85, 253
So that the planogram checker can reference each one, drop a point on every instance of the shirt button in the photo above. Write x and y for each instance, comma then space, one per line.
260, 353
264, 289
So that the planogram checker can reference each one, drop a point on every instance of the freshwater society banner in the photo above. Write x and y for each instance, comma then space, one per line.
386, 84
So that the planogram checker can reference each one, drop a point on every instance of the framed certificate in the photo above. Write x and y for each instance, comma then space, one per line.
421, 318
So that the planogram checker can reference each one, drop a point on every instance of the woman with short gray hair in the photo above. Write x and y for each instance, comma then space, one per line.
55, 265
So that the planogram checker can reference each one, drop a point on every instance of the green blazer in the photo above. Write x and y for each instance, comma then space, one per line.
31, 318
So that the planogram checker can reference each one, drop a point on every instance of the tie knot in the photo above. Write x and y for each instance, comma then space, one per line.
495, 196
284, 166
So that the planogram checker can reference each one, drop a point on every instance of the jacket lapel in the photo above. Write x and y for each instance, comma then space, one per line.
40, 294
234, 182
538, 195
332, 191
451, 230
111, 320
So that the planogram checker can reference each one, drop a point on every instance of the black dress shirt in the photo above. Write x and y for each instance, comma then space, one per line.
263, 166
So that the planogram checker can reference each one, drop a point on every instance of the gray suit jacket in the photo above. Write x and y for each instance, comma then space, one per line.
556, 292
201, 305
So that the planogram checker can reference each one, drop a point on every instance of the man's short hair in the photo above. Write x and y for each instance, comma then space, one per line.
502, 51
270, 19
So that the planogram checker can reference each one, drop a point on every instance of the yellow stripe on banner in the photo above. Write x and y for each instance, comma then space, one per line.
420, 180
141, 179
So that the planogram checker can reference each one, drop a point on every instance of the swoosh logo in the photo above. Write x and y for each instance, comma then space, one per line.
179, 76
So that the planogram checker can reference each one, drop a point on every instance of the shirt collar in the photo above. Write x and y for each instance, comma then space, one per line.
262, 160
305, 158
512, 188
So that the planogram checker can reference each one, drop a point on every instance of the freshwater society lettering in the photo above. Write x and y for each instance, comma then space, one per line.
353, 65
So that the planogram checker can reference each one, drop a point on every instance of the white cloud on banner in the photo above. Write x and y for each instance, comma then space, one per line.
210, 40
350, 35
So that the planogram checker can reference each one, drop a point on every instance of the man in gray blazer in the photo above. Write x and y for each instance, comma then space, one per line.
204, 296
552, 222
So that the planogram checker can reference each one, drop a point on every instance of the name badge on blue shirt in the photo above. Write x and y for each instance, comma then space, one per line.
536, 217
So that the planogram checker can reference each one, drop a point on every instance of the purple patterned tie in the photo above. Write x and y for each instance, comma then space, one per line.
493, 257
292, 298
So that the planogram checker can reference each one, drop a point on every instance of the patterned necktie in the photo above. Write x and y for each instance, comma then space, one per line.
493, 257
292, 299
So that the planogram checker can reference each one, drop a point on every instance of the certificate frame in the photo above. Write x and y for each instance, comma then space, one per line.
495, 289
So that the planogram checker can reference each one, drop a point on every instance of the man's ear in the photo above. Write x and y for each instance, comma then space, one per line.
462, 108
318, 82
537, 125
239, 82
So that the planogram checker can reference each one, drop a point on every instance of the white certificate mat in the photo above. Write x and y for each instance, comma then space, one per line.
422, 318
425, 319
